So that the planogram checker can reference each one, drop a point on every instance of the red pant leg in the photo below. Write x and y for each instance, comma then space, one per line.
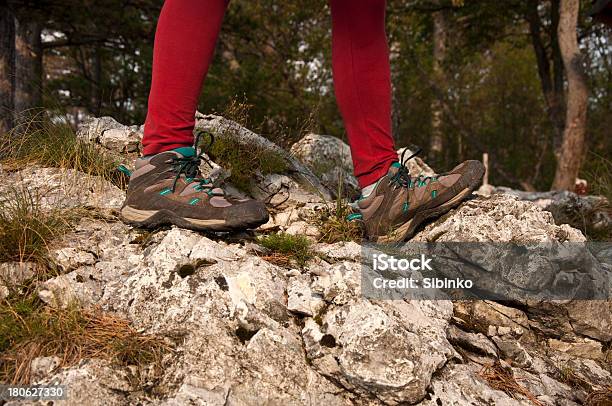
362, 82
186, 35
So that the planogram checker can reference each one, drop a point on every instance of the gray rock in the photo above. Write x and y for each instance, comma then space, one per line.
110, 134
388, 351
247, 332
593, 212
230, 130
499, 218
42, 367
475, 342
514, 350
14, 273
584, 348
64, 188
459, 385
301, 298
330, 159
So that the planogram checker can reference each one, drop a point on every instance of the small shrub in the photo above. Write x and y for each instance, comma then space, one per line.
286, 248
28, 330
244, 161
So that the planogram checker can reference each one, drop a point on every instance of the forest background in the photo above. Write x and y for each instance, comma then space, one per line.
529, 82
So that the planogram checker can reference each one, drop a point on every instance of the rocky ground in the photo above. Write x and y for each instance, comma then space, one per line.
245, 331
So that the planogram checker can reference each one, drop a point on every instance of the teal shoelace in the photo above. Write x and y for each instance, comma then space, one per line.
402, 177
190, 165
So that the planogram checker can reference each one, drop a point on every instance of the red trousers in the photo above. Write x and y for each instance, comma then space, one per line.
184, 43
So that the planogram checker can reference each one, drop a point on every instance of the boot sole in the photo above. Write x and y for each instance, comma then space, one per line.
157, 218
406, 230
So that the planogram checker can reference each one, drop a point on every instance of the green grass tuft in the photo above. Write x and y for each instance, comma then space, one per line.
52, 142
333, 224
287, 249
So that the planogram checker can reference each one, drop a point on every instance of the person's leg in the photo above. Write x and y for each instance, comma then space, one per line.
186, 35
395, 202
166, 186
362, 82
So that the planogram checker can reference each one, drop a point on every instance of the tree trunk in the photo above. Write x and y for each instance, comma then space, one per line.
440, 34
570, 157
7, 67
28, 66
558, 88
552, 87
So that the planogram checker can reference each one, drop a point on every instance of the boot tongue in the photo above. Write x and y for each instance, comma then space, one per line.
395, 166
186, 152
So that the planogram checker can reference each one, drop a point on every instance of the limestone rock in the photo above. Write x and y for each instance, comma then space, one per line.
388, 351
14, 273
475, 342
246, 332
230, 130
43, 366
594, 212
584, 348
110, 134
64, 188
301, 298
330, 159
460, 385
500, 218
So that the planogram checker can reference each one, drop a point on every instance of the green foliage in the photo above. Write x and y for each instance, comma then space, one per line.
286, 247
276, 56
598, 171
245, 161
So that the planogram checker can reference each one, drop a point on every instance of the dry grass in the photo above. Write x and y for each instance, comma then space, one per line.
52, 142
596, 397
283, 260
29, 330
26, 229
601, 397
498, 378
599, 175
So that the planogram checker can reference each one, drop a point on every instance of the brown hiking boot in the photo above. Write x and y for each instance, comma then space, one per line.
167, 188
400, 202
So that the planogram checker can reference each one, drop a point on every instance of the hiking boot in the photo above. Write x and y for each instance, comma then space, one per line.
167, 188
401, 202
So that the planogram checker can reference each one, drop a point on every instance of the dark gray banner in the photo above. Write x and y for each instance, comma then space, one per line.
485, 270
